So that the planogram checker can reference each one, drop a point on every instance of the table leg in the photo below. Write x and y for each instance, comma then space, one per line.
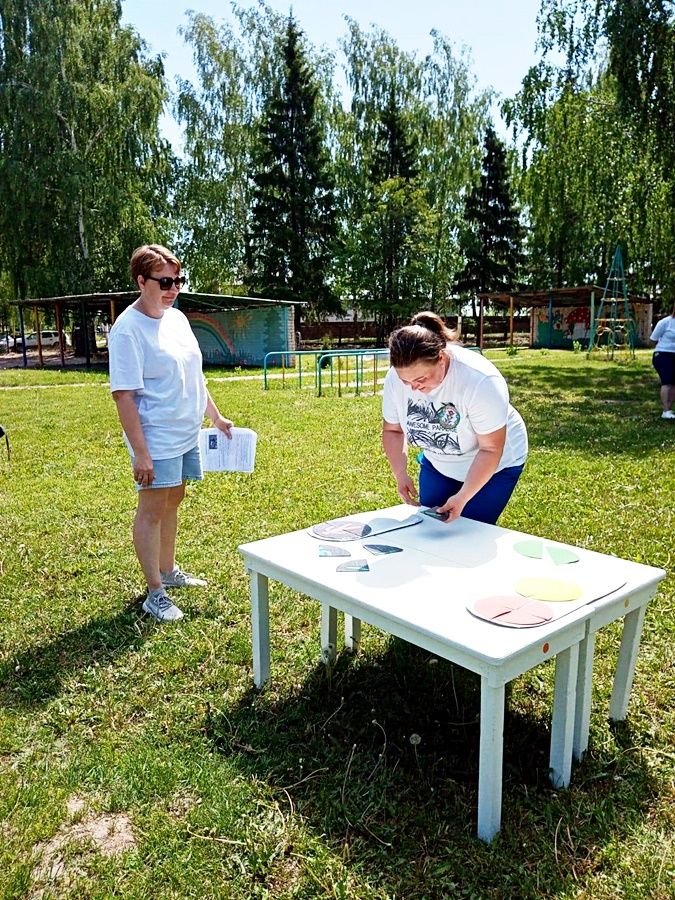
625, 667
352, 633
328, 634
490, 759
582, 714
562, 724
260, 627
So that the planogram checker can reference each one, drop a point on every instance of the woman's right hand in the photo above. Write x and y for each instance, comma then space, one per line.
407, 490
144, 473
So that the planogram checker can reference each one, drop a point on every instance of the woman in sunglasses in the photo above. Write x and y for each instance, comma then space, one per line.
157, 383
453, 404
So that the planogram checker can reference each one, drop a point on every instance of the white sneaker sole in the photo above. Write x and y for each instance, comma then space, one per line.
175, 614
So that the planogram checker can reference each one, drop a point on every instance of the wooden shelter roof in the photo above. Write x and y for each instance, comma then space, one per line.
580, 296
187, 300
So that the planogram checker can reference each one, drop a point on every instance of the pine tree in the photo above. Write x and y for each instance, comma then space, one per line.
492, 239
395, 227
294, 227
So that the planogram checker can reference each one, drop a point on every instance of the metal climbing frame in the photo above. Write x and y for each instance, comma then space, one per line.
613, 328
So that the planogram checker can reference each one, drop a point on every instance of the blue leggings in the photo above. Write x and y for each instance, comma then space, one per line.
485, 506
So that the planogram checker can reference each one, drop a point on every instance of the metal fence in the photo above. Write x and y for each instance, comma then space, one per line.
344, 368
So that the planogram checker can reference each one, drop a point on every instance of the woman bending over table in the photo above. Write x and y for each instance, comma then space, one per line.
453, 404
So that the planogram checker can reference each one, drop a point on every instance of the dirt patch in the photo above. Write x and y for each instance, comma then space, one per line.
61, 859
180, 805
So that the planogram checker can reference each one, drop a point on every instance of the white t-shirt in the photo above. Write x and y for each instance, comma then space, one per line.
161, 361
445, 423
664, 334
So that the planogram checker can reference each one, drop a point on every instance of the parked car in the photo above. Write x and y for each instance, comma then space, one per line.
47, 339
6, 342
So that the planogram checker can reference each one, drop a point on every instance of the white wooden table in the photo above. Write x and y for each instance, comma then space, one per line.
421, 595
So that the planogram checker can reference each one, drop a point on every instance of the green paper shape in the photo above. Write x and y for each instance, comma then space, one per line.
533, 549
561, 555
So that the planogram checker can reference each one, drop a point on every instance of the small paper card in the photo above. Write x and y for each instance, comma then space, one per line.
222, 454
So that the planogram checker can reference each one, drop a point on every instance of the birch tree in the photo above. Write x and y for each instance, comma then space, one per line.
83, 171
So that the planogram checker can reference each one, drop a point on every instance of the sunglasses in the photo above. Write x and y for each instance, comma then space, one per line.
166, 282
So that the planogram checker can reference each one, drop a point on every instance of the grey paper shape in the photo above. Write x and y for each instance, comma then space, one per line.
382, 549
333, 551
340, 530
382, 525
354, 565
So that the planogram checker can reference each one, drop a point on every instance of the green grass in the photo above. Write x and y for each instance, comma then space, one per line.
312, 788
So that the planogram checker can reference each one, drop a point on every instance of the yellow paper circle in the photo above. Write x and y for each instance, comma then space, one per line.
549, 589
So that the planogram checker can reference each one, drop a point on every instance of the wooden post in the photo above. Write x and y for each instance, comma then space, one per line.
480, 323
62, 340
112, 311
22, 328
550, 321
39, 336
85, 335
511, 321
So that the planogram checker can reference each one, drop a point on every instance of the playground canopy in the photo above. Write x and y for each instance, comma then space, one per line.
231, 329
561, 316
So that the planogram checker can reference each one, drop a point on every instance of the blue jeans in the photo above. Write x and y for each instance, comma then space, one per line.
485, 506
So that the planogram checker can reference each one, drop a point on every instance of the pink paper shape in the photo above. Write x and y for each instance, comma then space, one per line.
513, 610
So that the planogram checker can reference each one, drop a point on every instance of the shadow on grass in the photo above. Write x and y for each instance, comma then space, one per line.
615, 412
36, 675
612, 382
381, 756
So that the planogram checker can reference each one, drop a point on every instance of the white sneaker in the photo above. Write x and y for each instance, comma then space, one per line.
158, 604
179, 578
668, 414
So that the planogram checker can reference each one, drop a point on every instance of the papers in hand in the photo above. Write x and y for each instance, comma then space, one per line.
221, 454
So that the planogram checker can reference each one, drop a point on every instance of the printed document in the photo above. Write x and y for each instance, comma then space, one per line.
221, 454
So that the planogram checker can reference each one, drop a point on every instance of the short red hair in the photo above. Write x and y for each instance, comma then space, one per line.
147, 259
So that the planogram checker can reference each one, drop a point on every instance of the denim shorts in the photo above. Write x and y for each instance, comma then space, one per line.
485, 506
173, 472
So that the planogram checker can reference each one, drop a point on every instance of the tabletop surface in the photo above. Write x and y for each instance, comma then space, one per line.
442, 569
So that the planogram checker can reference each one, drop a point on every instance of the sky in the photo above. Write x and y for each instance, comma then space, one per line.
500, 35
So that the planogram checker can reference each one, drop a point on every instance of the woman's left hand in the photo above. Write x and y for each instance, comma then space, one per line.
453, 507
224, 425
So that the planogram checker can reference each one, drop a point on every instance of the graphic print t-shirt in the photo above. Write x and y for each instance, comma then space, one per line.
473, 399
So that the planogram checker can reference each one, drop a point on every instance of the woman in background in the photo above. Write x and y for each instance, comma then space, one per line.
453, 404
157, 383
663, 360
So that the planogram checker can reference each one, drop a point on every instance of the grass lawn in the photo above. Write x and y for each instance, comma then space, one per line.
137, 761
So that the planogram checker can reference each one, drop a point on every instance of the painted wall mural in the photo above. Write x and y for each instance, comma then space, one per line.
573, 323
242, 337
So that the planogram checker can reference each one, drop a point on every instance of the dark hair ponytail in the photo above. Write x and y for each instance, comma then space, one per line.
424, 339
